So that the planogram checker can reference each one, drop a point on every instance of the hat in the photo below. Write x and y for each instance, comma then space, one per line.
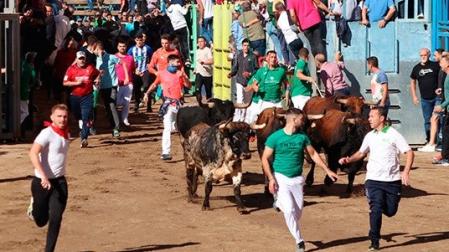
80, 54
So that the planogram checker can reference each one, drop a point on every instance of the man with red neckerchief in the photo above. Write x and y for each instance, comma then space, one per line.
49, 186
81, 78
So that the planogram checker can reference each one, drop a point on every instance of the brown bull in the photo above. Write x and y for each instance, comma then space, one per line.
319, 105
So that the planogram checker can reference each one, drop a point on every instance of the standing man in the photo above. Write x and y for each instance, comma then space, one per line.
253, 29
49, 186
203, 69
331, 74
142, 54
287, 146
269, 82
243, 66
426, 73
301, 88
379, 84
159, 60
383, 176
444, 64
205, 19
125, 80
80, 77
381, 11
173, 80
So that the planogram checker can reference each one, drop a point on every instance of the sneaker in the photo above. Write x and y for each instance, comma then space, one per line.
80, 124
427, 148
438, 148
374, 246
84, 143
30, 210
420, 16
116, 133
166, 157
92, 131
443, 162
126, 122
300, 247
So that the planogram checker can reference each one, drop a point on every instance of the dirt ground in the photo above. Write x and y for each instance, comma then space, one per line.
122, 197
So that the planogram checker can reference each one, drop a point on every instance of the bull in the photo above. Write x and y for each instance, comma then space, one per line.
211, 113
339, 134
319, 105
216, 152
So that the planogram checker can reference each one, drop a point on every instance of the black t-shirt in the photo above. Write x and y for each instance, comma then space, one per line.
91, 58
427, 77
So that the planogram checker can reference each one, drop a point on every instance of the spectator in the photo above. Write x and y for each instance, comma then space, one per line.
81, 77
301, 87
110, 24
426, 74
253, 29
444, 64
205, 19
159, 60
236, 28
305, 13
374, 11
176, 13
27, 80
243, 66
64, 58
290, 34
379, 84
331, 74
203, 69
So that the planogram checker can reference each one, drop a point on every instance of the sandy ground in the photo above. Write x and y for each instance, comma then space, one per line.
122, 197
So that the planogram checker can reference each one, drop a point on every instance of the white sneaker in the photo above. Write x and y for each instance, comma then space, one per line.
126, 122
80, 124
30, 210
427, 148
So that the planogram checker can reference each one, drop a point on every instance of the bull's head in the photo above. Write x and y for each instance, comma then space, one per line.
238, 134
354, 104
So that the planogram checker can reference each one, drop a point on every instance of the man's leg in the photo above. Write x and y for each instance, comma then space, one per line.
86, 103
392, 197
207, 81
58, 202
125, 94
239, 113
376, 201
169, 118
445, 144
427, 110
138, 84
40, 202
198, 86
434, 126
313, 34
146, 81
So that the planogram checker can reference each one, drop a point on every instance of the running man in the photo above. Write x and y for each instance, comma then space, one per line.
287, 145
125, 80
49, 186
383, 176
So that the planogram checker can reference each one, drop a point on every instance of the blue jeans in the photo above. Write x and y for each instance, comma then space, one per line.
427, 110
273, 34
90, 4
383, 198
206, 29
131, 5
82, 109
259, 46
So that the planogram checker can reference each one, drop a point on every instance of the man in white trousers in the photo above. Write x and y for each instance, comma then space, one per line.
287, 145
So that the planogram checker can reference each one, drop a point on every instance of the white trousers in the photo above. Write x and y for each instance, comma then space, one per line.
300, 101
241, 97
124, 94
23, 110
290, 199
252, 112
265, 104
169, 123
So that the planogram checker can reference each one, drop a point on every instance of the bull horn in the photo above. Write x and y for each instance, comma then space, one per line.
280, 115
351, 120
210, 104
315, 117
370, 103
242, 105
258, 126
342, 100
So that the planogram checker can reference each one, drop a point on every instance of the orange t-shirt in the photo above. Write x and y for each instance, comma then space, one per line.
159, 60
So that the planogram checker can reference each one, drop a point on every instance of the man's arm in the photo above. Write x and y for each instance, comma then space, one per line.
267, 153
317, 159
384, 94
322, 6
413, 91
200, 10
254, 87
153, 85
408, 166
304, 77
388, 17
354, 158
293, 17
151, 66
34, 157
365, 16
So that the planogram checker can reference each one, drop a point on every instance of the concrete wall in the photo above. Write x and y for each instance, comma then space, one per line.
397, 47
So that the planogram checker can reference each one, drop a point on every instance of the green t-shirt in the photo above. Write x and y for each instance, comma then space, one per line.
288, 152
256, 96
446, 93
300, 87
270, 83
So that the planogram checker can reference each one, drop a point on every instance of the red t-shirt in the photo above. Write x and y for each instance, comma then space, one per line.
86, 74
171, 83
159, 60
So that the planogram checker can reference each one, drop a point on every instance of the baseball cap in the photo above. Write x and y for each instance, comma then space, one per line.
80, 54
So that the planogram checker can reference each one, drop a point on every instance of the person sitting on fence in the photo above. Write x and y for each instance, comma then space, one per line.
374, 11
331, 74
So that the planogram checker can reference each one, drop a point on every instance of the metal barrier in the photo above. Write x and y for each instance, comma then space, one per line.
10, 76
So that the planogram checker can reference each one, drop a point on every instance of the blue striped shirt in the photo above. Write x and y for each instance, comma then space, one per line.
141, 56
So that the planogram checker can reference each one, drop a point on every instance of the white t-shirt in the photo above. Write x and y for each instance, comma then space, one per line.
284, 25
203, 55
208, 8
384, 148
53, 156
176, 14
